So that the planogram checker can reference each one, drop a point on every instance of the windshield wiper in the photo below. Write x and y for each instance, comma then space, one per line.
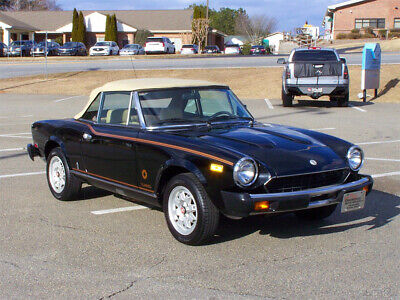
233, 117
175, 120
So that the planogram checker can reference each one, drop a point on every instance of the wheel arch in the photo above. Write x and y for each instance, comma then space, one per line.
52, 143
172, 168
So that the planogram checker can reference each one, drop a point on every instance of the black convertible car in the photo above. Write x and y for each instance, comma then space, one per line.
192, 148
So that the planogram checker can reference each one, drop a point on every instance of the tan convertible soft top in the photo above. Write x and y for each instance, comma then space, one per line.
144, 84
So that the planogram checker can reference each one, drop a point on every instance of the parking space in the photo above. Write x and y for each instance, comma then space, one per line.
104, 246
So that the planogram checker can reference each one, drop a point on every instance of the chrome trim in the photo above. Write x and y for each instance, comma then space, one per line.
139, 110
313, 192
129, 109
195, 124
100, 107
310, 173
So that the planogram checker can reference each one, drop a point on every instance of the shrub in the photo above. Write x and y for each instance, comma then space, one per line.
354, 36
369, 31
341, 36
355, 30
246, 49
59, 40
394, 35
141, 36
382, 33
369, 36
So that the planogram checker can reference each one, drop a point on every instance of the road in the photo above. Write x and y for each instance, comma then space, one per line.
53, 249
15, 69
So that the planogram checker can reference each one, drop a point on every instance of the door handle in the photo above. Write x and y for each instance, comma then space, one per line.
87, 136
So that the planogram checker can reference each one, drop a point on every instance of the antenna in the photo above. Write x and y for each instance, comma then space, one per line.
133, 67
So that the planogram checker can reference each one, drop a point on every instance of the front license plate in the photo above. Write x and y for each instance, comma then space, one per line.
353, 201
316, 90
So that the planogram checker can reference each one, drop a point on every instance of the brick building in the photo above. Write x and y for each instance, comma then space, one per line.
33, 25
377, 14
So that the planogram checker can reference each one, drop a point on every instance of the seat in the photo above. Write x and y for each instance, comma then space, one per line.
116, 116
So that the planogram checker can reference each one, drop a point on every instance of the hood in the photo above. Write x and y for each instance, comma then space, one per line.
281, 150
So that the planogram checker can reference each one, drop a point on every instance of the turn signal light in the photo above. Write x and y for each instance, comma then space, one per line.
366, 188
262, 205
217, 168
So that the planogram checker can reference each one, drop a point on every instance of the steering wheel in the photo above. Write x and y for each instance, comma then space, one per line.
221, 113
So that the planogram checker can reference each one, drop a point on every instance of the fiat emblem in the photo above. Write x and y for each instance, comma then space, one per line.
313, 162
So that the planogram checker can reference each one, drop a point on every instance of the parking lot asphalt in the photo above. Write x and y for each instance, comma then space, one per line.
104, 246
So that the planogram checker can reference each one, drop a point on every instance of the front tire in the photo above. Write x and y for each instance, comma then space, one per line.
63, 185
191, 216
318, 213
287, 99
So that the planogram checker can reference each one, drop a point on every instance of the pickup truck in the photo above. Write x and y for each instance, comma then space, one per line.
315, 72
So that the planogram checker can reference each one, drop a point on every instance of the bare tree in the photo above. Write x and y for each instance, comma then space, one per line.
255, 28
28, 5
200, 31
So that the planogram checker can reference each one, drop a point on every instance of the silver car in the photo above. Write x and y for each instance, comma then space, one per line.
315, 72
132, 49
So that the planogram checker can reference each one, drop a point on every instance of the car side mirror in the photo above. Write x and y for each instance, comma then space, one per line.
281, 61
343, 60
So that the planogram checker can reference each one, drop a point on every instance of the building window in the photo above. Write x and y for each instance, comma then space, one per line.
373, 23
397, 23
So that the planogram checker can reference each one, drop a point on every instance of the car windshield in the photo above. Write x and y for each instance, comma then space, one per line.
155, 40
191, 105
18, 43
314, 55
211, 47
188, 46
131, 47
232, 46
103, 44
257, 47
70, 44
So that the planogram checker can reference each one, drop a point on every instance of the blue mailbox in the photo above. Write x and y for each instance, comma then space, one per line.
371, 68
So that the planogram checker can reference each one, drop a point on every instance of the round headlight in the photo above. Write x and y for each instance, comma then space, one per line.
355, 157
245, 172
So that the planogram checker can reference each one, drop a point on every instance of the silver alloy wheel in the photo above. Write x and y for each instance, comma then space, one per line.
182, 210
57, 174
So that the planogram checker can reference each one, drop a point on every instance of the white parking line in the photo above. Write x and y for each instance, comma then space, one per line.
383, 159
60, 100
359, 109
21, 174
12, 149
116, 210
269, 104
386, 174
16, 135
323, 129
380, 142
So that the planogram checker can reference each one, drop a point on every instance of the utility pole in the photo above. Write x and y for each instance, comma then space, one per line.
206, 44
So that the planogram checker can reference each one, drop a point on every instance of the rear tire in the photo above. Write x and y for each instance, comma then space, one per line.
191, 216
287, 99
344, 102
63, 185
318, 213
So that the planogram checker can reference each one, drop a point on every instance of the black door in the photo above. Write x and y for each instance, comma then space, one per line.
109, 147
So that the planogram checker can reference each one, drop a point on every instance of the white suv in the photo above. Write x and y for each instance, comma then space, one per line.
104, 48
159, 45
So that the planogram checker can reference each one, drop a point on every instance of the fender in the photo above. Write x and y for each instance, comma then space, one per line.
57, 140
181, 163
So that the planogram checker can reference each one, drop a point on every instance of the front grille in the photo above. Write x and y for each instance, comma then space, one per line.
307, 181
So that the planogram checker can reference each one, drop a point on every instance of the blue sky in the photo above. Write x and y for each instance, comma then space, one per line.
289, 13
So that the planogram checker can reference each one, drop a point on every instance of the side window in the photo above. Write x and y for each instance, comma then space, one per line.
213, 102
115, 108
191, 107
91, 112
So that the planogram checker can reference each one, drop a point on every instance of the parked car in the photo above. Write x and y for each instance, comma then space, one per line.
190, 49
159, 45
72, 49
233, 49
211, 49
104, 48
39, 49
132, 49
315, 72
3, 49
257, 50
21, 48
192, 148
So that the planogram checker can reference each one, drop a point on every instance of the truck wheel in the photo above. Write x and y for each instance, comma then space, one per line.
287, 99
191, 216
344, 102
63, 185
318, 213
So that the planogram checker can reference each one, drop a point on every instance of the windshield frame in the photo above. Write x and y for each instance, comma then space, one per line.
230, 94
